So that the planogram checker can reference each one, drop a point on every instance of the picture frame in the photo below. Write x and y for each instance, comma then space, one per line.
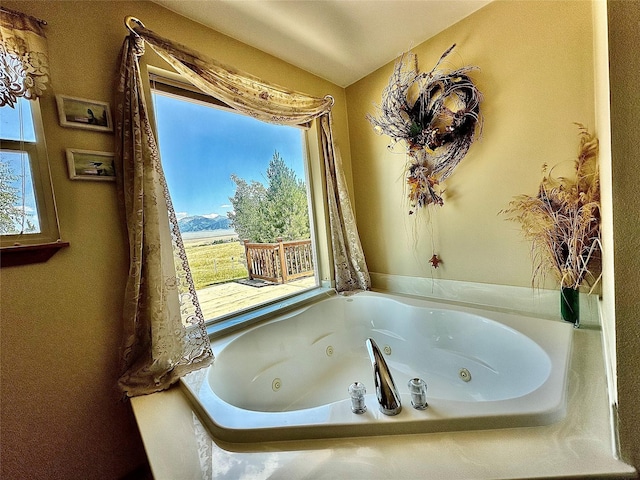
83, 113
90, 165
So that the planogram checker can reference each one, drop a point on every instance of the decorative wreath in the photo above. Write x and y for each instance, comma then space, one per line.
437, 115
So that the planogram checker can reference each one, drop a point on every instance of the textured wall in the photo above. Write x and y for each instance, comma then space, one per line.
536, 74
624, 37
61, 414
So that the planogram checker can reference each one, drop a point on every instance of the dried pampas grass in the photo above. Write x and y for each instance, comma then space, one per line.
563, 220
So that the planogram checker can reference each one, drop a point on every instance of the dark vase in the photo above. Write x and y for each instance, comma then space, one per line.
570, 305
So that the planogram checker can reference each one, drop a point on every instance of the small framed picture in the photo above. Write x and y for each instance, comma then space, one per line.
90, 165
82, 113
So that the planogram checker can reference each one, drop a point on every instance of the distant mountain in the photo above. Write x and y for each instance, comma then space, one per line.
198, 223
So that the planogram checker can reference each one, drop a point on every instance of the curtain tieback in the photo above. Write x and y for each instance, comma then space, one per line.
138, 41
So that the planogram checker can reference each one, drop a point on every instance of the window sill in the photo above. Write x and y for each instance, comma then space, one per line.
229, 325
27, 254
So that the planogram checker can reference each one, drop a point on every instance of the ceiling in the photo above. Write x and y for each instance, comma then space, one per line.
338, 40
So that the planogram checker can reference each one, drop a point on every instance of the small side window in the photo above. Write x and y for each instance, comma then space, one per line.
27, 206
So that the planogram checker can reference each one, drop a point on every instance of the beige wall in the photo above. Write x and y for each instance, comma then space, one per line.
62, 416
536, 75
624, 38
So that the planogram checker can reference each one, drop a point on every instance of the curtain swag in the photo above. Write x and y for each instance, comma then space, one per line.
164, 332
24, 61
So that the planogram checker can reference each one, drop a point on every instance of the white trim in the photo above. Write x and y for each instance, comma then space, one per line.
609, 357
42, 184
266, 312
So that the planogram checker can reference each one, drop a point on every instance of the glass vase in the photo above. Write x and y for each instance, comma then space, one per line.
570, 305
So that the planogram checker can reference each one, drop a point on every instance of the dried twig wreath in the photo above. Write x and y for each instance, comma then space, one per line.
437, 115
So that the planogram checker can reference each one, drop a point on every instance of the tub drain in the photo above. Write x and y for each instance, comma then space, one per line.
276, 384
464, 375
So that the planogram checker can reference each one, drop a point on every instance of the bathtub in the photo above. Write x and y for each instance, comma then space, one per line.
288, 378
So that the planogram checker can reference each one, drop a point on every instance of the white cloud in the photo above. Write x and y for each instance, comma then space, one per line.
26, 210
211, 215
180, 215
226, 206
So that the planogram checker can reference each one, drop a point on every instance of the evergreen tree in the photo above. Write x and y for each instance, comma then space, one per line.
286, 203
279, 210
246, 217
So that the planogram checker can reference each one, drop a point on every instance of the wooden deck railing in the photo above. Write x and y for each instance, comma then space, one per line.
279, 262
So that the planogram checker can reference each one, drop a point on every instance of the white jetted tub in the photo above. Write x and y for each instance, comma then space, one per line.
289, 378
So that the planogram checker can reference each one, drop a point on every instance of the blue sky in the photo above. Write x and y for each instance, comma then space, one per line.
11, 120
201, 146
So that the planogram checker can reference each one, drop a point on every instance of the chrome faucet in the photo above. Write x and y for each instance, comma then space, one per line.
386, 390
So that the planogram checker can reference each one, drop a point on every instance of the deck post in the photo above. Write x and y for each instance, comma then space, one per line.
283, 260
247, 254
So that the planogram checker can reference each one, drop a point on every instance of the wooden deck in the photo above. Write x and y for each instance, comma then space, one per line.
225, 298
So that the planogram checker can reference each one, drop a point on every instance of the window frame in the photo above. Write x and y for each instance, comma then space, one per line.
44, 196
174, 84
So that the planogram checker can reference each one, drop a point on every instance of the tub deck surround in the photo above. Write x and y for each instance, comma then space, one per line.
541, 303
179, 446
287, 379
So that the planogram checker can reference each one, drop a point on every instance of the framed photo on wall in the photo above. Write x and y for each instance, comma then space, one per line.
90, 165
77, 112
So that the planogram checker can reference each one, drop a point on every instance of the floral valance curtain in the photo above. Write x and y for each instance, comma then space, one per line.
159, 346
24, 62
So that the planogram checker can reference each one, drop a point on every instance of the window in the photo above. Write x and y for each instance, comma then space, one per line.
239, 188
27, 206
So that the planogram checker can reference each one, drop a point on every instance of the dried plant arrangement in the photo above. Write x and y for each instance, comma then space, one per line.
563, 220
436, 114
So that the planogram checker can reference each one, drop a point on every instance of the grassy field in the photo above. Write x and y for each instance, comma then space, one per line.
213, 263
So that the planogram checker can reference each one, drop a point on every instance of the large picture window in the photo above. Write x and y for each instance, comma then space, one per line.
239, 188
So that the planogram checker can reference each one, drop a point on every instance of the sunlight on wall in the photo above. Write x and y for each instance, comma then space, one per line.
536, 75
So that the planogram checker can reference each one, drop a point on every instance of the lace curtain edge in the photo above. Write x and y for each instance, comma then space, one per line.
152, 357
164, 334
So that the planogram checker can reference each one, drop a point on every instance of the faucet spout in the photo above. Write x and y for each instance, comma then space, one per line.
386, 390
